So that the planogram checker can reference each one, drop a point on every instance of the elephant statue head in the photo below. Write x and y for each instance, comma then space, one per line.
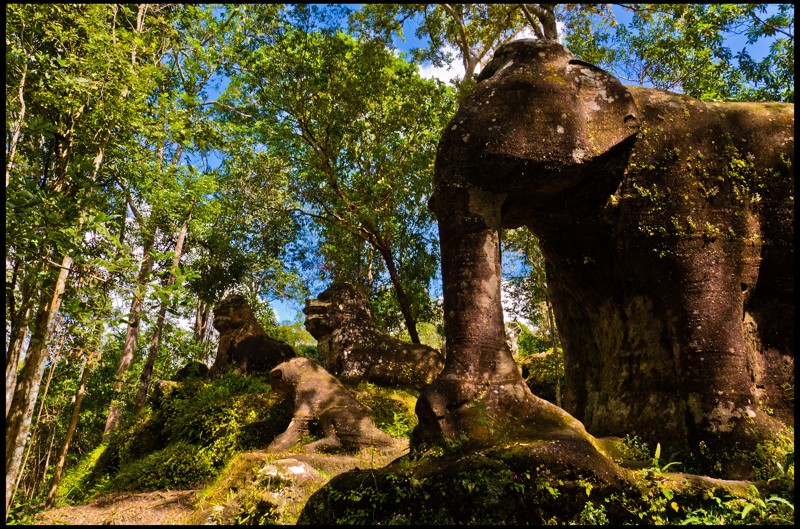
542, 121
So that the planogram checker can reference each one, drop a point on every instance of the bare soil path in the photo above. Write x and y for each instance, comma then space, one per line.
146, 508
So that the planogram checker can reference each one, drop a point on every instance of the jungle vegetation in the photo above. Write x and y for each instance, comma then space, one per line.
161, 156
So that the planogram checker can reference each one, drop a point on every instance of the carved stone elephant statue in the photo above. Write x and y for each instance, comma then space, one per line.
667, 227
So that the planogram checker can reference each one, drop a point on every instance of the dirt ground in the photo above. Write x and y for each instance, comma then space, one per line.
147, 508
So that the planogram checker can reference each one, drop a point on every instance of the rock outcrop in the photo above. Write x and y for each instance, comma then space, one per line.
192, 369
351, 347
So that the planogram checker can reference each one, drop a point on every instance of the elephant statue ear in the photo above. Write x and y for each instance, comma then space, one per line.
610, 112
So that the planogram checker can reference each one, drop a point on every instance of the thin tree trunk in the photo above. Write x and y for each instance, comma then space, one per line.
17, 125
20, 320
554, 341
19, 417
73, 423
46, 463
16, 340
201, 321
35, 427
405, 307
131, 335
147, 372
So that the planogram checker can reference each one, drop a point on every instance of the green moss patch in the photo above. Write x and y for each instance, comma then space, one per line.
394, 408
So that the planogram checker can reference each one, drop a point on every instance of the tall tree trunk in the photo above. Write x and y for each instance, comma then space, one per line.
16, 341
19, 417
73, 423
132, 333
405, 307
542, 20
147, 372
19, 332
201, 321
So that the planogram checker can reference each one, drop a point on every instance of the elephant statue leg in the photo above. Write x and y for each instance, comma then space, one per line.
480, 393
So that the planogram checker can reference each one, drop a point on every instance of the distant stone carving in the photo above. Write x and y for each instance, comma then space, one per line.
242, 342
352, 348
321, 404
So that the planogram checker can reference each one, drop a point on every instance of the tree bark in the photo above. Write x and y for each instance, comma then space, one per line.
132, 333
543, 13
19, 417
201, 321
17, 126
13, 357
19, 331
147, 372
402, 300
73, 423
36, 426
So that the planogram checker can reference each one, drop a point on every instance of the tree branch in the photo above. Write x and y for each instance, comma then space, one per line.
767, 24
544, 12
532, 20
462, 32
129, 199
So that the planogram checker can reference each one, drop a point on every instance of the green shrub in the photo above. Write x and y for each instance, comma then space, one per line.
77, 481
774, 458
187, 436
636, 449
179, 466
532, 343
540, 373
308, 351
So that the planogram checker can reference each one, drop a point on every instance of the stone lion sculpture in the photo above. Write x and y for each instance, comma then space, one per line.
321, 403
242, 341
352, 348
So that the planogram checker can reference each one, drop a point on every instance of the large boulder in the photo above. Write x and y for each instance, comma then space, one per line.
321, 404
242, 342
352, 348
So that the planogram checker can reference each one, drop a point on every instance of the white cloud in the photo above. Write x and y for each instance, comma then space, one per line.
525, 33
446, 74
